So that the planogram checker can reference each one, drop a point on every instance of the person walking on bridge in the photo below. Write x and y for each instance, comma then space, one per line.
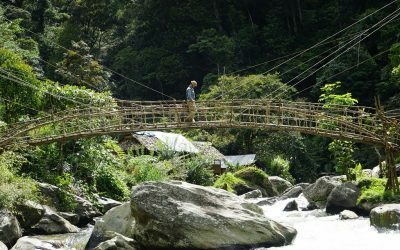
190, 100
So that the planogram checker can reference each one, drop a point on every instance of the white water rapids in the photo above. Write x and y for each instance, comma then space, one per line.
318, 231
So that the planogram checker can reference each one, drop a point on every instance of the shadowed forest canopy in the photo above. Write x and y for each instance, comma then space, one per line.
66, 53
165, 44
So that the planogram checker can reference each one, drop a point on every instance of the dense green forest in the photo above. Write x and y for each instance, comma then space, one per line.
59, 54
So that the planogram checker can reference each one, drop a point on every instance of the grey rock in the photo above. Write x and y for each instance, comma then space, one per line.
181, 215
71, 217
386, 217
267, 201
293, 192
279, 184
318, 192
347, 215
303, 185
106, 203
252, 194
29, 213
118, 219
291, 206
52, 223
339, 178
376, 172
365, 207
2, 246
343, 197
85, 209
73, 241
117, 242
10, 230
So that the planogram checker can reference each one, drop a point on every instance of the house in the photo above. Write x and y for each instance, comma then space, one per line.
152, 141
206, 148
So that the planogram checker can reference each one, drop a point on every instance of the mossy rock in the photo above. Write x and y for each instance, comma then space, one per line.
229, 182
253, 175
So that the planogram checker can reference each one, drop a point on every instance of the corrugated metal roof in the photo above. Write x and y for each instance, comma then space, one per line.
207, 149
240, 160
176, 142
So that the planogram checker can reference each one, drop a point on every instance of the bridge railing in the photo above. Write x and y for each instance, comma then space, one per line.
354, 123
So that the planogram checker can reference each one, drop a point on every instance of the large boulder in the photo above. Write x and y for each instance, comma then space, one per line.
84, 208
254, 179
52, 223
386, 216
279, 185
118, 219
36, 218
10, 230
318, 192
175, 214
343, 197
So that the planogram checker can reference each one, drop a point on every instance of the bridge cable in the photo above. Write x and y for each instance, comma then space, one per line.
317, 44
347, 69
105, 67
8, 75
392, 16
19, 104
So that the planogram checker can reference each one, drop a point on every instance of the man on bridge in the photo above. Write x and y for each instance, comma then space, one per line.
190, 100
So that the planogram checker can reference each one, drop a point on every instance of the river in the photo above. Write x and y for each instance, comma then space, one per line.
319, 231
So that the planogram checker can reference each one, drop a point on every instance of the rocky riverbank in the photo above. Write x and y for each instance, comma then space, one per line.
179, 215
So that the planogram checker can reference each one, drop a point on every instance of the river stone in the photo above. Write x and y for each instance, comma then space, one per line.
252, 194
118, 219
279, 184
70, 241
291, 206
180, 215
71, 217
29, 213
292, 193
343, 197
117, 242
267, 201
318, 192
386, 216
106, 203
2, 246
347, 215
52, 223
10, 230
84, 208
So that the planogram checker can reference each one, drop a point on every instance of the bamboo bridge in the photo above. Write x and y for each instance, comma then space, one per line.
354, 123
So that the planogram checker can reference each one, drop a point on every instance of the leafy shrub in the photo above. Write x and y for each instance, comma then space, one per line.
280, 167
109, 184
253, 175
14, 189
227, 180
144, 168
373, 190
199, 172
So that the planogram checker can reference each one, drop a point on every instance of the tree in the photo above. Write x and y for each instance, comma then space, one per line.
342, 150
80, 68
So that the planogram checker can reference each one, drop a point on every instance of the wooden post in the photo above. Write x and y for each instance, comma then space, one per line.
392, 182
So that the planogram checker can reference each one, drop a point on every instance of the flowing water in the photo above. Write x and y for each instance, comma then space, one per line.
316, 230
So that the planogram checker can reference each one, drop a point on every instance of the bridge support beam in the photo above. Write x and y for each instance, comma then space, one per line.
392, 183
